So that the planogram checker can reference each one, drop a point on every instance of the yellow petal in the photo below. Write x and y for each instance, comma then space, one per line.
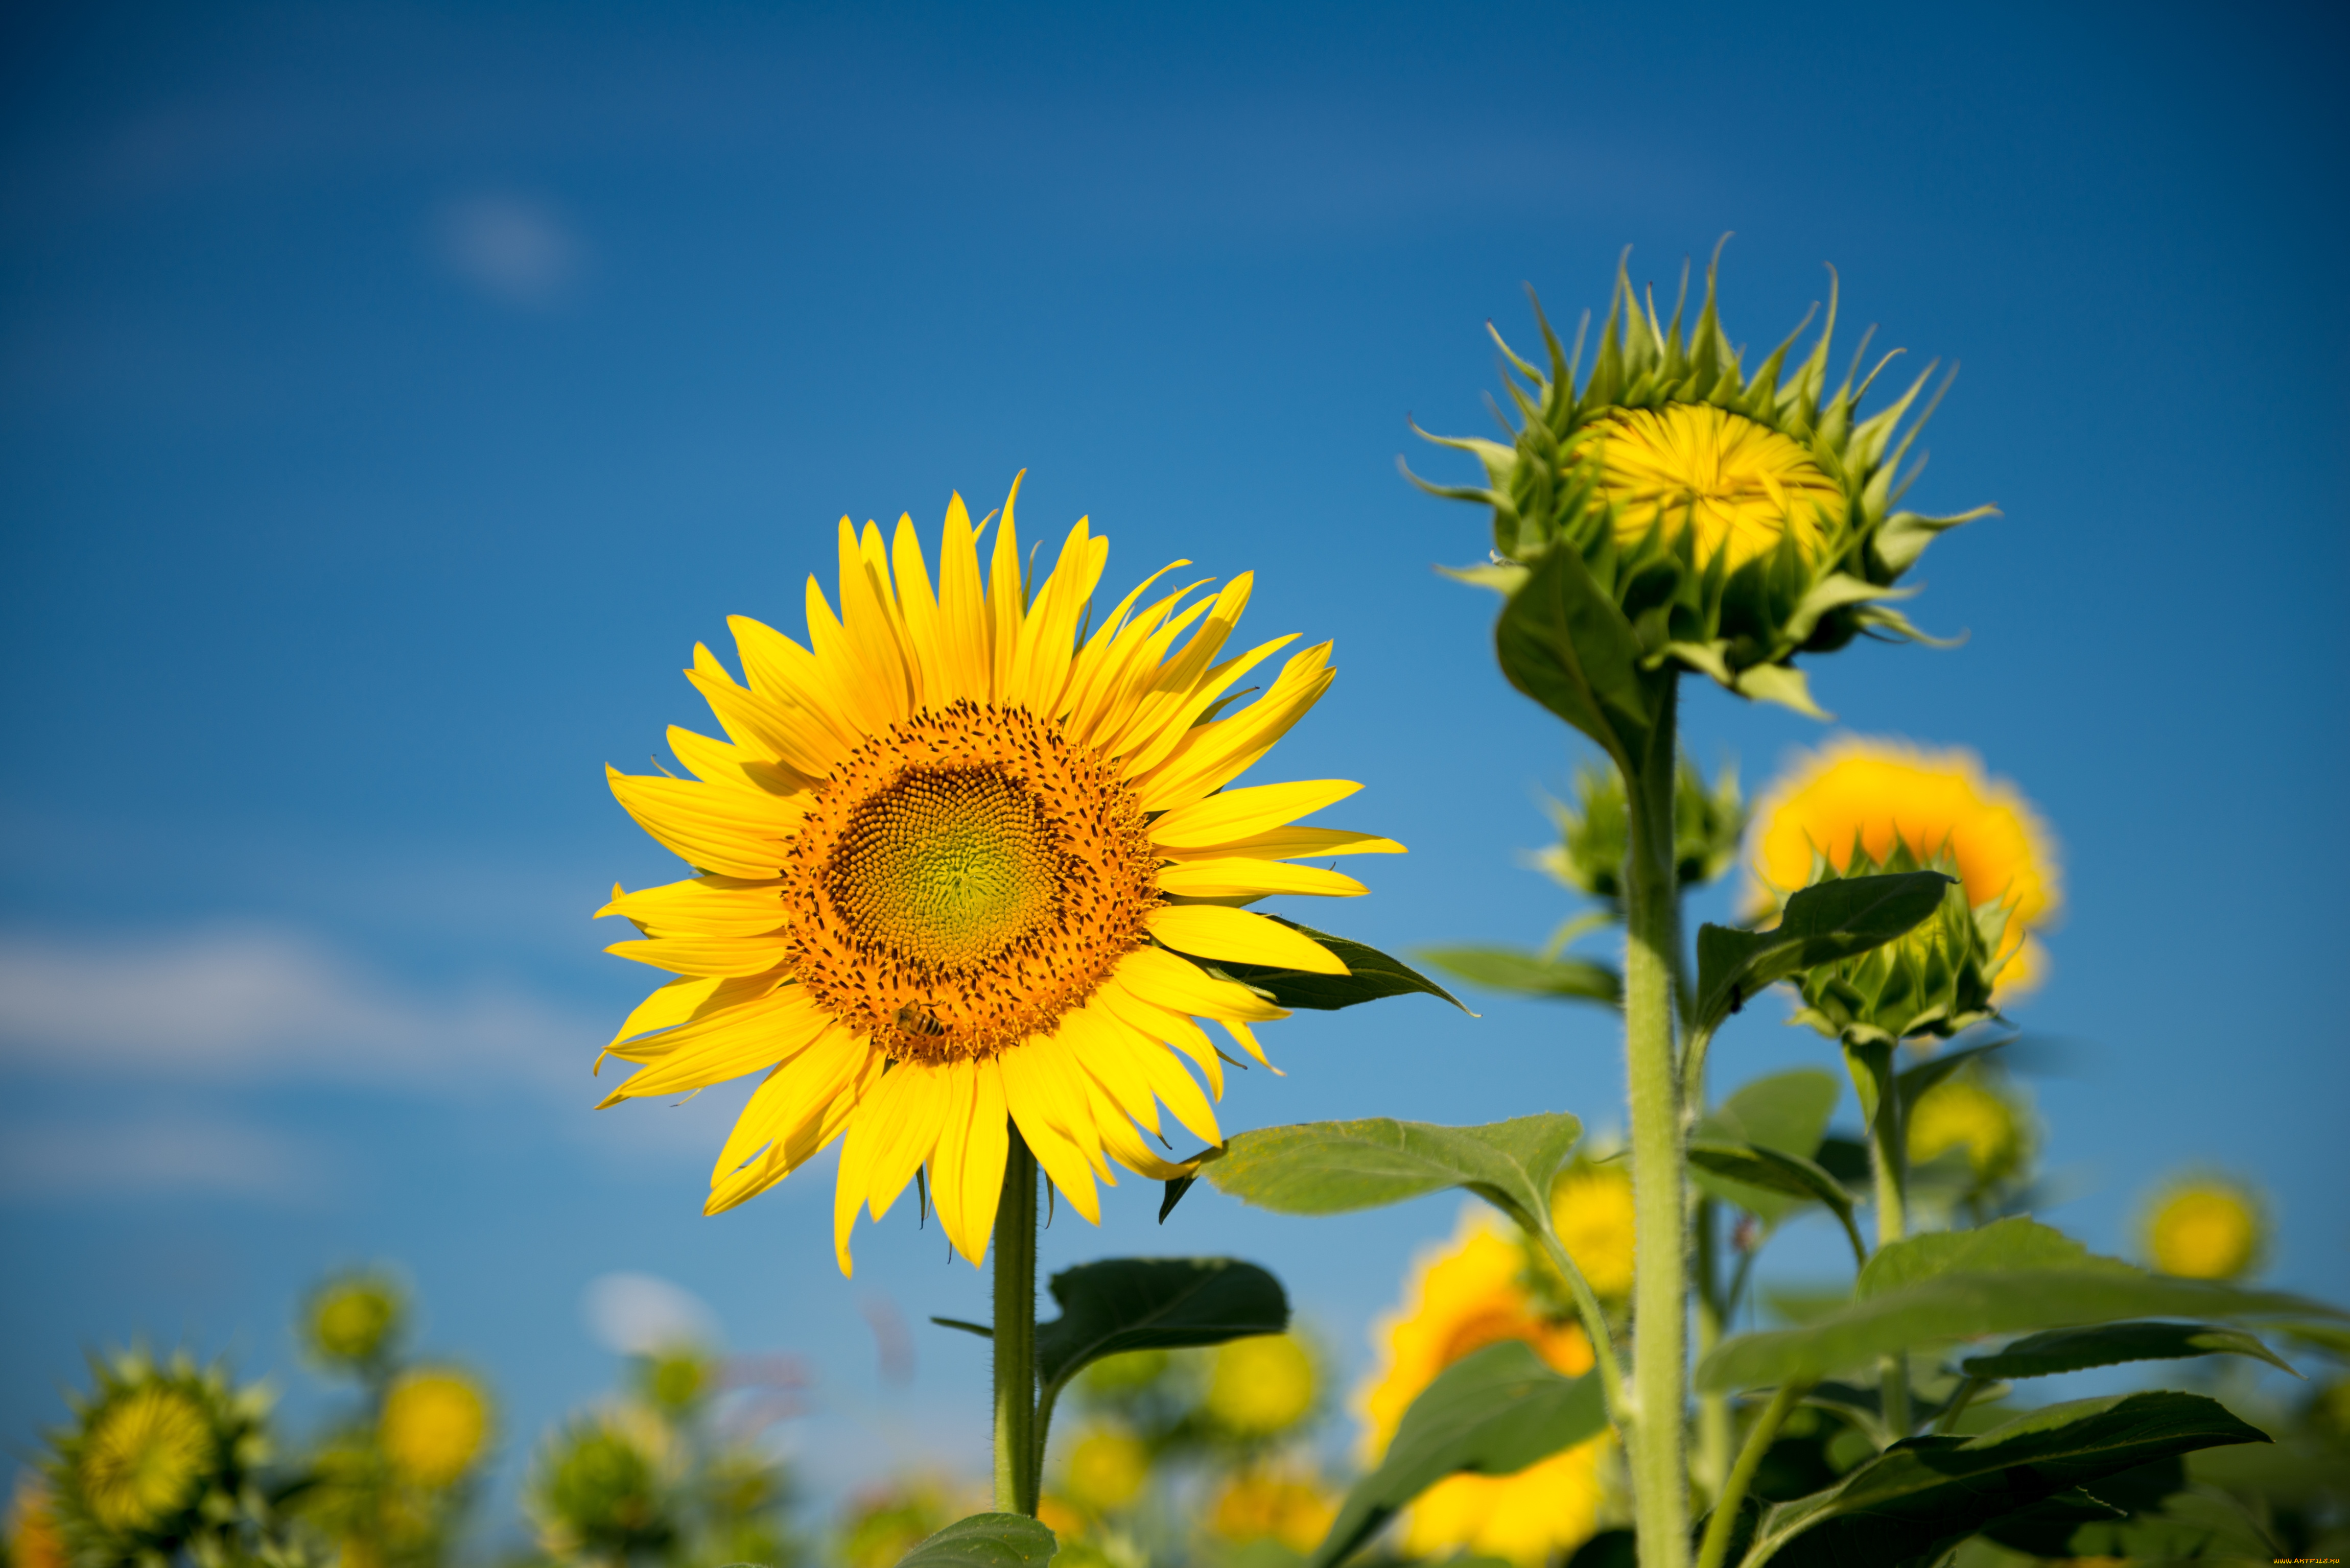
757, 1037
706, 955
1180, 985
1063, 1161
1246, 878
733, 1000
1292, 844
1238, 812
710, 826
1213, 931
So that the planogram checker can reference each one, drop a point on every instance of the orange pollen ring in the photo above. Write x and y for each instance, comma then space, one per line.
964, 878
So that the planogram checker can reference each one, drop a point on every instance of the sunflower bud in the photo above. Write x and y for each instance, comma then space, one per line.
1735, 519
1934, 980
353, 1319
160, 1459
602, 1487
1594, 831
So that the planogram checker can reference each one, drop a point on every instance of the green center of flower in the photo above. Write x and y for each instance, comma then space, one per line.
946, 866
144, 1460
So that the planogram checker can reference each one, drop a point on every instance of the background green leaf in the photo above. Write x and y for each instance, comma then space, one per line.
1370, 975
2111, 1343
1333, 1168
1772, 1172
1821, 925
1494, 1412
1919, 1498
986, 1540
1787, 1111
1153, 1304
1956, 1306
1522, 973
2015, 1243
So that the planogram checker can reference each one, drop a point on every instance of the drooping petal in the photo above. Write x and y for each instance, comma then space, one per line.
1213, 931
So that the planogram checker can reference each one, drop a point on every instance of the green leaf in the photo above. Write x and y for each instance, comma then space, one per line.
1153, 1304
1526, 974
2018, 1241
986, 1540
1333, 1168
1494, 1412
2109, 1345
1787, 1112
1922, 1496
965, 1326
1370, 975
1822, 924
1957, 1306
1563, 642
1774, 1171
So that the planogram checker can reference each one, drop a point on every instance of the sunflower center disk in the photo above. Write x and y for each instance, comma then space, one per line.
1740, 485
965, 878
946, 866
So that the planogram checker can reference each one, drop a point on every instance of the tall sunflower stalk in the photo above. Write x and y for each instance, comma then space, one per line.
1673, 512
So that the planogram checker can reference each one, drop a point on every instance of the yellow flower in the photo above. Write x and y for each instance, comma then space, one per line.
1107, 1470
2206, 1227
146, 1459
1740, 486
433, 1426
957, 864
33, 1538
1877, 791
1461, 1298
1591, 1209
1261, 1386
1963, 1112
1257, 1505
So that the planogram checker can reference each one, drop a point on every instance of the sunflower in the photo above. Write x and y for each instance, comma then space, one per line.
1591, 1209
33, 1538
1279, 1503
967, 857
1737, 517
159, 1458
1972, 1111
1880, 793
2206, 1226
434, 1424
1261, 1386
1462, 1297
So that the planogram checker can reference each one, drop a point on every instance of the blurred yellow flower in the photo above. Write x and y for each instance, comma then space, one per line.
1879, 790
1591, 1209
2206, 1227
1964, 1112
433, 1426
145, 1460
1738, 485
1293, 1508
1261, 1386
1107, 1470
1461, 1297
955, 864
33, 1538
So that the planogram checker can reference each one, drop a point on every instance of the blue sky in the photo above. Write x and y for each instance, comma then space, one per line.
392, 395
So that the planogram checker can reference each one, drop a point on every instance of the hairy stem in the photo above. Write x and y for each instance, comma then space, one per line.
1889, 1164
1017, 1461
1712, 1409
1719, 1528
1660, 1289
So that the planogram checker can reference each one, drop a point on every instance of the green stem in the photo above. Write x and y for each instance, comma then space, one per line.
1890, 1165
1712, 1312
1964, 1396
1718, 1530
1017, 1456
1659, 1203
1595, 1329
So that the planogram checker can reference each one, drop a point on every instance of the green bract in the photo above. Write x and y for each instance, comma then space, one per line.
1934, 979
1739, 621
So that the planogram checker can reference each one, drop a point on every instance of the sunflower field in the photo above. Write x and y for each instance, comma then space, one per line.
972, 888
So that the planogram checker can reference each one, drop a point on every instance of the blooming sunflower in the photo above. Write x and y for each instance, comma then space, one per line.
1879, 793
1737, 518
1973, 1111
1261, 1386
2206, 1226
1591, 1209
1463, 1296
969, 855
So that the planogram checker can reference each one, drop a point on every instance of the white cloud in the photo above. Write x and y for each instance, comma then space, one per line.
517, 251
643, 1315
253, 1004
175, 1153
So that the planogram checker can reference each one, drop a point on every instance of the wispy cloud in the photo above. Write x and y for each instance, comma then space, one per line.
180, 1154
255, 1003
517, 251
